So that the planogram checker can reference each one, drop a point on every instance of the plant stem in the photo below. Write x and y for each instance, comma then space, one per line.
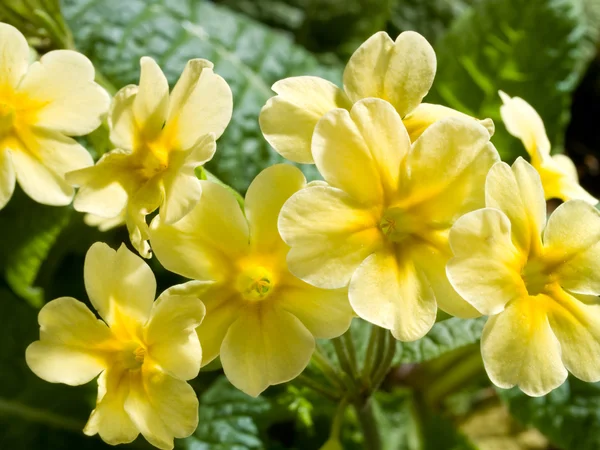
318, 387
343, 357
388, 357
349, 344
368, 424
367, 363
40, 416
329, 371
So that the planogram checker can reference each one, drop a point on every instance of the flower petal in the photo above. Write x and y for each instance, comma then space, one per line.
72, 343
577, 327
265, 346
151, 102
486, 268
448, 161
7, 176
389, 291
572, 240
109, 419
559, 178
204, 244
330, 235
121, 121
360, 152
426, 114
326, 313
410, 72
519, 348
120, 284
523, 122
432, 262
365, 72
207, 108
519, 194
181, 185
288, 120
42, 161
103, 188
171, 334
223, 306
63, 81
14, 55
161, 407
265, 197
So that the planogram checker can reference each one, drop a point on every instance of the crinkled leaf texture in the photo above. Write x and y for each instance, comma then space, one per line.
569, 416
227, 420
444, 337
249, 55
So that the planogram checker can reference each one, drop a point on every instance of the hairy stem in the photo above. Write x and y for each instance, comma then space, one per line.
369, 425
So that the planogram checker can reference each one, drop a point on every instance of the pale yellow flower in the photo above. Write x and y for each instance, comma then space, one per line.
400, 72
538, 279
260, 318
558, 173
160, 140
40, 106
381, 224
103, 223
143, 349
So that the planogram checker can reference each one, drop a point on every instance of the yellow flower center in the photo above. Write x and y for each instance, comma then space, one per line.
537, 276
255, 283
152, 152
133, 355
396, 225
7, 118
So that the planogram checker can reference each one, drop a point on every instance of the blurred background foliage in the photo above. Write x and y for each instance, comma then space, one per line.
438, 396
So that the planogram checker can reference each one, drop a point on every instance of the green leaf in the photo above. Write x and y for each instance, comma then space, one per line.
34, 413
228, 419
537, 50
569, 416
431, 19
30, 230
444, 337
250, 56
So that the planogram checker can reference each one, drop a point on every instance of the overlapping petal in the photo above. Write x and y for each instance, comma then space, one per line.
170, 334
330, 234
161, 407
151, 102
206, 241
265, 346
572, 243
519, 348
518, 192
265, 197
288, 120
389, 291
120, 284
109, 419
486, 268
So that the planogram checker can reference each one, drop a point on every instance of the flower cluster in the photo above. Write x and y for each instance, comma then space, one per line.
415, 212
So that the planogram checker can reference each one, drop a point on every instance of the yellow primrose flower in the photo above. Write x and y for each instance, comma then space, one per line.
160, 140
143, 350
260, 318
400, 72
538, 279
381, 224
40, 106
558, 173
